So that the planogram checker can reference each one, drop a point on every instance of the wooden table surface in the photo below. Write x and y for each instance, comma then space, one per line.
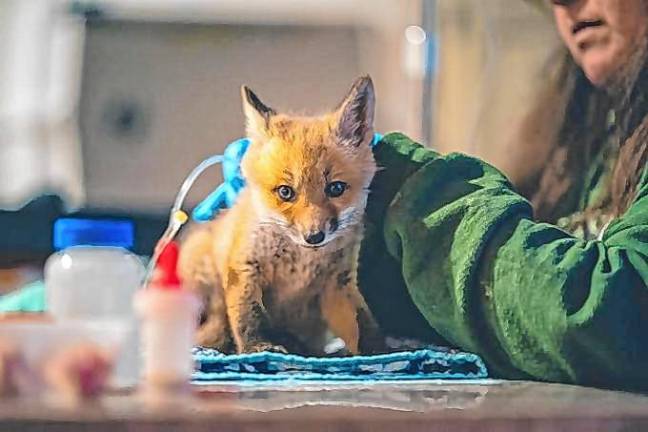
411, 407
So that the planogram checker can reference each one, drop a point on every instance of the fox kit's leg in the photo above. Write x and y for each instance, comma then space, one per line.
340, 314
214, 332
198, 272
247, 315
348, 316
372, 340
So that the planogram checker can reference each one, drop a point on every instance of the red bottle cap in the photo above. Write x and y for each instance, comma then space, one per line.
166, 275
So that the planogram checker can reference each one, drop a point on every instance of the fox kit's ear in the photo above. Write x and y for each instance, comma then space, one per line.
355, 115
257, 114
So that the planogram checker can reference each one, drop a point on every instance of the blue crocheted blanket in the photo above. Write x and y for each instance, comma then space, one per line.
425, 364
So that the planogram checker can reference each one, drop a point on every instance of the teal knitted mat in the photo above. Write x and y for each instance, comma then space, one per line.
424, 364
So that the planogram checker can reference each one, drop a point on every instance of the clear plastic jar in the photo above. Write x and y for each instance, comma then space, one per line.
93, 278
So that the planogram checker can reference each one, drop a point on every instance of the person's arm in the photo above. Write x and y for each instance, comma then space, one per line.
532, 300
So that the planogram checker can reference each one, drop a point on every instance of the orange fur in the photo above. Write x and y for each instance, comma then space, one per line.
273, 283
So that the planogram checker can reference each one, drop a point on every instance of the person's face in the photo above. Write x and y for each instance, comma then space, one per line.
602, 35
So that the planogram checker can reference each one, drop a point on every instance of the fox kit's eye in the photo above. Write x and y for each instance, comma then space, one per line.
286, 193
335, 189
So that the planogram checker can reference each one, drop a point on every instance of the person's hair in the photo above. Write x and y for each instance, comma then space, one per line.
633, 134
573, 116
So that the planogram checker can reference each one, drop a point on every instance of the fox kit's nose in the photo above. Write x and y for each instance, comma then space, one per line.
314, 238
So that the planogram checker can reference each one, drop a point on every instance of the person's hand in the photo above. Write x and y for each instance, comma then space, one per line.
225, 195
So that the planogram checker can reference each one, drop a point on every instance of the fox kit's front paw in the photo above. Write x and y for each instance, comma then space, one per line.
214, 333
266, 346
372, 340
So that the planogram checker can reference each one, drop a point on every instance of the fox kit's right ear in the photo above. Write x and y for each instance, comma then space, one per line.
257, 114
355, 115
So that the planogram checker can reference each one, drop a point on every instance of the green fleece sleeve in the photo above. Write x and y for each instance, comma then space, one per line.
532, 300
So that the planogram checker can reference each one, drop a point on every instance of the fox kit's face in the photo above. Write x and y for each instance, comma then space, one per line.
310, 175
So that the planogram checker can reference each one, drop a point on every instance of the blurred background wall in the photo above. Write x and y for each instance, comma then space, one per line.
110, 103
494, 56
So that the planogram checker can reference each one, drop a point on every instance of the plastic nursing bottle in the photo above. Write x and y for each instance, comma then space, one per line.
93, 278
169, 317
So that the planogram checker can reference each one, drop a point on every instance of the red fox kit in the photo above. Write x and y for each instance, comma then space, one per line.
279, 268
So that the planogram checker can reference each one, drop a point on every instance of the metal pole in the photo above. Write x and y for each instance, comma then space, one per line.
428, 23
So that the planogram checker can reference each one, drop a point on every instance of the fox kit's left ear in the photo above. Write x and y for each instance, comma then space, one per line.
257, 114
355, 115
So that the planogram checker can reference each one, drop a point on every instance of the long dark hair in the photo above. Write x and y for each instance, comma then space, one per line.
579, 135
633, 139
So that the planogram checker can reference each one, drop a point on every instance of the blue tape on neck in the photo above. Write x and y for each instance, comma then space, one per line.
225, 195
377, 138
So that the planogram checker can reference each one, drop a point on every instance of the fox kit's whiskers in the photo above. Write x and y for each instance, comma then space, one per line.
273, 220
350, 218
350, 224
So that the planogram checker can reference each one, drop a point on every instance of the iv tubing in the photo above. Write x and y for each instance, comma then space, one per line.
177, 216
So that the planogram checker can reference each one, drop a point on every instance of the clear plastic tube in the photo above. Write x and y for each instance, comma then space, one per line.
177, 216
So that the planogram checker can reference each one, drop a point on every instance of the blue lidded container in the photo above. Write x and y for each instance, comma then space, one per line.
94, 275
91, 281
70, 232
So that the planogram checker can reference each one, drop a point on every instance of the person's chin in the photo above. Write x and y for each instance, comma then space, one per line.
600, 66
